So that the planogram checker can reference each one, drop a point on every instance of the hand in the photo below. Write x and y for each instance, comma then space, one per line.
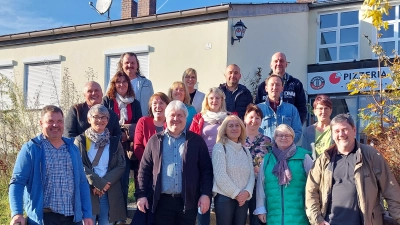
124, 137
262, 217
18, 219
142, 204
324, 223
88, 221
204, 203
108, 185
256, 170
97, 192
242, 197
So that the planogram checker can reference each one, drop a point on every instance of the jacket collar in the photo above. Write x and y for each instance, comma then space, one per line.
332, 150
39, 139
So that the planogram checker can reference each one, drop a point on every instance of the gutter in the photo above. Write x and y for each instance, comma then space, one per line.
325, 3
117, 23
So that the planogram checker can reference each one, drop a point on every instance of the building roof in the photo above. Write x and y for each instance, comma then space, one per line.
208, 13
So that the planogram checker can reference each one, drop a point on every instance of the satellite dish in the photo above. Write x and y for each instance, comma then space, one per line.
102, 7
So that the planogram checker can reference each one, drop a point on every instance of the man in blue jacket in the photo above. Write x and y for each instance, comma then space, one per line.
276, 111
293, 91
48, 178
237, 96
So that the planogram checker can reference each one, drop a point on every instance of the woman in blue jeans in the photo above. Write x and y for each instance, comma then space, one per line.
233, 173
104, 163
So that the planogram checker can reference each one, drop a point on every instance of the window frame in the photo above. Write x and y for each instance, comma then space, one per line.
143, 49
337, 29
396, 31
37, 61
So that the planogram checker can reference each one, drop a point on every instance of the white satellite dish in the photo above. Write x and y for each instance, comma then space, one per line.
102, 6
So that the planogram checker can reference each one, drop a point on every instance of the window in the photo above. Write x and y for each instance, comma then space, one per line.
5, 101
112, 59
43, 84
390, 38
338, 37
112, 62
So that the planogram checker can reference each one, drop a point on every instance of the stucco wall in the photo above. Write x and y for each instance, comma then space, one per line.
172, 50
287, 33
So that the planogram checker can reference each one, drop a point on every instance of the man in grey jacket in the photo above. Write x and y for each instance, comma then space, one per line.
142, 86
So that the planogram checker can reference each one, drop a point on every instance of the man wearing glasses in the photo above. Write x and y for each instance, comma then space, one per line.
276, 111
76, 121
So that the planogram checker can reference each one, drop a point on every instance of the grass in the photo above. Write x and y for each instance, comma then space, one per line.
131, 191
5, 211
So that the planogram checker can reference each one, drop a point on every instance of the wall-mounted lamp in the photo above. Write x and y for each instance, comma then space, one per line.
239, 29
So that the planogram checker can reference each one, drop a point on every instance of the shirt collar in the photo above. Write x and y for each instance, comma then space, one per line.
183, 133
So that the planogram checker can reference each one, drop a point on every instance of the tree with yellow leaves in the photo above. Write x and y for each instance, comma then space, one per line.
381, 116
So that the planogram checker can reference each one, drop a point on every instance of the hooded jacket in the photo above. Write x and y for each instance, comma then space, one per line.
27, 178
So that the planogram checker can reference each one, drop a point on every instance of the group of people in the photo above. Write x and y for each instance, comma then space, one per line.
190, 151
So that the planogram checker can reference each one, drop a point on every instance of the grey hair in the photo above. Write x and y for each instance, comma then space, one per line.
284, 127
176, 105
99, 109
340, 118
88, 83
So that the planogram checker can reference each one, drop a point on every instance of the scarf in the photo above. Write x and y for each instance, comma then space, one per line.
122, 103
281, 169
100, 140
214, 118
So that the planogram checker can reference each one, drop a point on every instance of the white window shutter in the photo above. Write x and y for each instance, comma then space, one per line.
5, 101
43, 84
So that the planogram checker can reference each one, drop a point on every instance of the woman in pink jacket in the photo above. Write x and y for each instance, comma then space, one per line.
206, 124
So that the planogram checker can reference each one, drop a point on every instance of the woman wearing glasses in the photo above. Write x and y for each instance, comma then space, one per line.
121, 99
189, 77
282, 180
317, 137
104, 164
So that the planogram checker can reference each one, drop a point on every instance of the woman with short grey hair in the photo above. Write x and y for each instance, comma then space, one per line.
281, 181
104, 163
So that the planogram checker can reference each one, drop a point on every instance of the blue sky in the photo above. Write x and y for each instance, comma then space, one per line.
18, 16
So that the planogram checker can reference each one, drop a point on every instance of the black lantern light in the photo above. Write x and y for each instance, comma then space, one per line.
239, 29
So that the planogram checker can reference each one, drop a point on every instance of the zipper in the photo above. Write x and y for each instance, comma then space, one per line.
283, 204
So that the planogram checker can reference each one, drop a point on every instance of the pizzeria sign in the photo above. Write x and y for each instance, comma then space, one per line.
336, 81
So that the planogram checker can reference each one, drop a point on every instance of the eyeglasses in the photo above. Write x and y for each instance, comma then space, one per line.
121, 82
284, 136
323, 108
191, 77
102, 118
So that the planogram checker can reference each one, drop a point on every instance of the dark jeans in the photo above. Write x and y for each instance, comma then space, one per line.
252, 206
169, 211
228, 211
52, 218
204, 219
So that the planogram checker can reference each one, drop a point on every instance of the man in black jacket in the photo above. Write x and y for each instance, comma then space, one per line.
177, 165
293, 91
237, 96
76, 121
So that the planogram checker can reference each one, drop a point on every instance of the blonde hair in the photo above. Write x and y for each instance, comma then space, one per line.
205, 106
188, 71
176, 84
284, 127
223, 138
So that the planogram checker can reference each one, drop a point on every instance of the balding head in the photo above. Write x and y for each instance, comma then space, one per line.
92, 93
232, 76
278, 63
